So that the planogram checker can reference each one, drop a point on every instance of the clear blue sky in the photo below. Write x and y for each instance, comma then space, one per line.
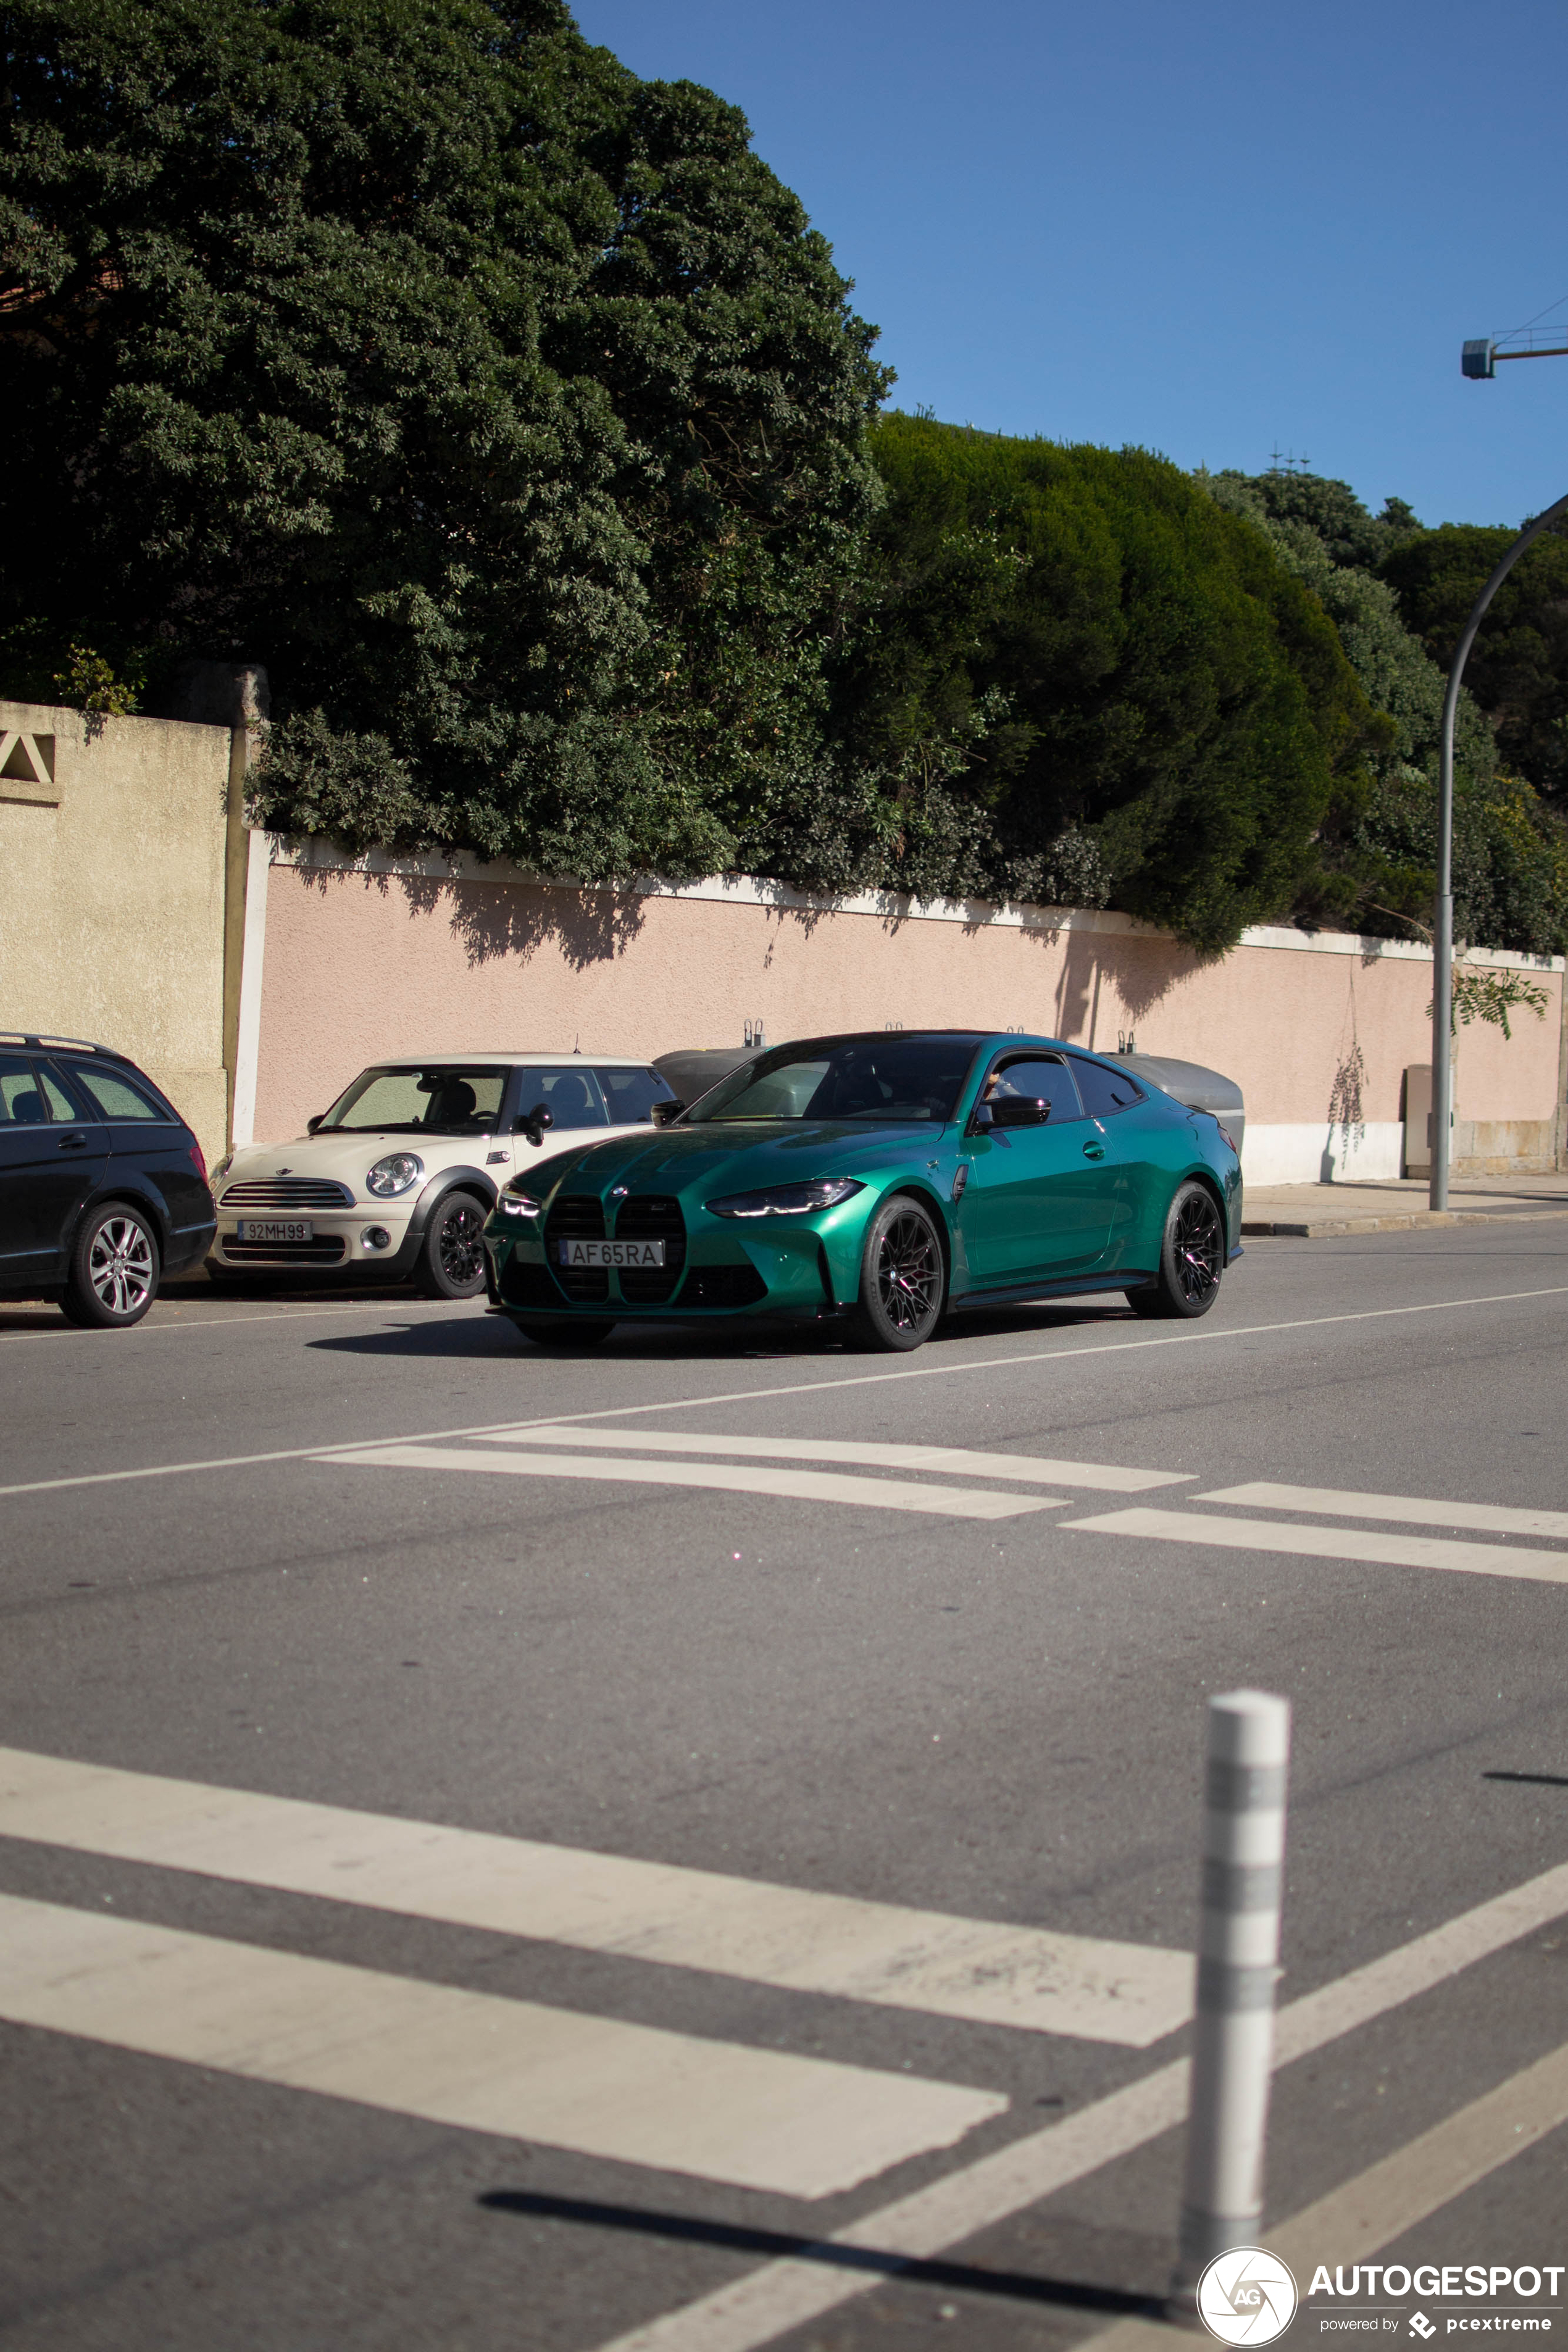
1208, 227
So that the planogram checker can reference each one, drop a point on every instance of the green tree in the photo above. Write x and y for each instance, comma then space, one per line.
1079, 678
1518, 667
505, 405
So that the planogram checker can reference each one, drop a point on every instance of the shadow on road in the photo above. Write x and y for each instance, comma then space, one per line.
489, 1335
1018, 2287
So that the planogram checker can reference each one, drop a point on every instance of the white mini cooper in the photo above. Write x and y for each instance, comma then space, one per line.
398, 1177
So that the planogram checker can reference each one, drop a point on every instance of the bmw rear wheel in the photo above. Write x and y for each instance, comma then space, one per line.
903, 1277
1192, 1258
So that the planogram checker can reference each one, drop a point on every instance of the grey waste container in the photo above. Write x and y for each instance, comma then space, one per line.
1190, 1083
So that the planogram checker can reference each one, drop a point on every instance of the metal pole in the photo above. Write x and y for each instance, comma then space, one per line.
1442, 931
1238, 1952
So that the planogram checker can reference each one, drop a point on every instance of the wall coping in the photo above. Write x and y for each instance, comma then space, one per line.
314, 855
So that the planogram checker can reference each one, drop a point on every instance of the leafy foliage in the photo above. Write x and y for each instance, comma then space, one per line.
1078, 677
504, 404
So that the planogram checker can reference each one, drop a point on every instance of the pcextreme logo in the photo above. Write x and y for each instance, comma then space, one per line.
1383, 2288
1246, 2296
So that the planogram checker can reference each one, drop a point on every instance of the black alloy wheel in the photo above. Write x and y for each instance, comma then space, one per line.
452, 1258
1192, 1259
586, 1334
903, 1277
113, 1277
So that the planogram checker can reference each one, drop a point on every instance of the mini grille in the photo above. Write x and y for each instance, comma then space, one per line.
286, 1193
723, 1286
574, 1216
653, 1220
327, 1249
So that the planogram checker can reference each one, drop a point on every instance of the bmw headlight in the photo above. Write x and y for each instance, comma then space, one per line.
394, 1174
787, 1200
519, 1204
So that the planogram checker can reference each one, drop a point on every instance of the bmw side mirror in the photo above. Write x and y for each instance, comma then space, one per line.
532, 1123
312, 1124
984, 1118
1020, 1110
665, 1114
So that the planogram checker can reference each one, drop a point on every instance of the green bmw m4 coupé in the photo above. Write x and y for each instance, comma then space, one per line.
886, 1178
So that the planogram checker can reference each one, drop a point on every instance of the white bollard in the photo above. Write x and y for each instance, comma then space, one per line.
1238, 1954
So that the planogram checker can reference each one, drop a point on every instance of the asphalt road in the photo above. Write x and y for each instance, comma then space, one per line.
279, 2078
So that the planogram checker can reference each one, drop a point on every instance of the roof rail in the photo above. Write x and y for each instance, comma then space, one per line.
82, 1044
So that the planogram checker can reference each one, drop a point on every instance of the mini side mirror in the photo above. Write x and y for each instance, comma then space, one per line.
312, 1124
1019, 1110
665, 1114
532, 1123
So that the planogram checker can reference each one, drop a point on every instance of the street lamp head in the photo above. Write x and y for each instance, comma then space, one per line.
1479, 359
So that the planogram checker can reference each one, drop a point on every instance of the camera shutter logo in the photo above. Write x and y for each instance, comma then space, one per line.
1246, 2296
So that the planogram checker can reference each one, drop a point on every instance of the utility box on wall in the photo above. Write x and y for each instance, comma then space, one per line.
1418, 1117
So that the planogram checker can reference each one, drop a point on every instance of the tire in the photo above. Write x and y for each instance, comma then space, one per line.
114, 1269
564, 1334
451, 1261
1192, 1259
903, 1277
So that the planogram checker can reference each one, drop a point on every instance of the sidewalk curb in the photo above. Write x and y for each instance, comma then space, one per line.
1408, 1220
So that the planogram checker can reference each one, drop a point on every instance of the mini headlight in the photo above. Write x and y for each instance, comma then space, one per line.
394, 1174
519, 1204
788, 1199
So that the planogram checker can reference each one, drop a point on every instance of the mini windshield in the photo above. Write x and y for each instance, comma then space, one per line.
420, 1099
893, 1079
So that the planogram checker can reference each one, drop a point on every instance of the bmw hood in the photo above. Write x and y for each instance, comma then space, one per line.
743, 1157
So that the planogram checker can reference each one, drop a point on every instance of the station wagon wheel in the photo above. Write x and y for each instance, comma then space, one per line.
1192, 1258
903, 1276
114, 1266
451, 1257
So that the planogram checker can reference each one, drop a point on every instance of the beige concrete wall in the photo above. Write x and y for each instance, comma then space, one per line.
111, 915
362, 964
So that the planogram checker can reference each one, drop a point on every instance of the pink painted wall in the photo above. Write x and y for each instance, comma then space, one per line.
359, 967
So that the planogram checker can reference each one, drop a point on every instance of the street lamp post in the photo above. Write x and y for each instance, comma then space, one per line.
1443, 935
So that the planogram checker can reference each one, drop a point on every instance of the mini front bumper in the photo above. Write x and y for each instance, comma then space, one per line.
339, 1237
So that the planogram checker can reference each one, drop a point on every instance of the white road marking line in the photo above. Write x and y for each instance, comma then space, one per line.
983, 1970
1026, 1467
1330, 1543
226, 1322
802, 1485
635, 2093
1392, 2197
1184, 1338
750, 2311
1416, 1511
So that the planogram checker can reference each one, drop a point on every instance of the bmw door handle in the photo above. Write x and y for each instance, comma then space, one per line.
73, 1142
1094, 1151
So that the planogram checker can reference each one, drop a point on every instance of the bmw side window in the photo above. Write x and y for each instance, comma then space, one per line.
632, 1094
1043, 1078
1105, 1091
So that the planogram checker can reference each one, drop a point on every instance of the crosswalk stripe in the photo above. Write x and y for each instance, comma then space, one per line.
752, 2310
1028, 1467
1416, 1511
633, 2094
1330, 1543
801, 1485
985, 1972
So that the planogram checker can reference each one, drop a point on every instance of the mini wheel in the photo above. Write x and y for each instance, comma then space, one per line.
563, 1334
1192, 1259
114, 1268
903, 1277
451, 1263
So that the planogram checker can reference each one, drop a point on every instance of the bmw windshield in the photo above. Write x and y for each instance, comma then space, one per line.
892, 1079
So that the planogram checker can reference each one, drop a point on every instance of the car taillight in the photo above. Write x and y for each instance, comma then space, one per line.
198, 1161
1227, 1135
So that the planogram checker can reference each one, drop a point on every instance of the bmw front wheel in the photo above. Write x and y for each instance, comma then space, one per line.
903, 1277
1192, 1258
